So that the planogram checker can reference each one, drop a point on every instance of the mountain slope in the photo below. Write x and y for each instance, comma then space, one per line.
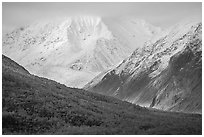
164, 75
34, 105
73, 50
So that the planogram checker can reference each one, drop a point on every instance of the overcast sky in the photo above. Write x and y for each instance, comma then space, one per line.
159, 14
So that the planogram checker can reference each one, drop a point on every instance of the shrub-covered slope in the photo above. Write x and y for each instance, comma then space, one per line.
34, 105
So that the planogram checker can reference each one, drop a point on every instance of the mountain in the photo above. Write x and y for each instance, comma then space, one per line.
36, 105
165, 75
74, 50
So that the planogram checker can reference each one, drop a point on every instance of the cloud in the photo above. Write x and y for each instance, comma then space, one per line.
162, 14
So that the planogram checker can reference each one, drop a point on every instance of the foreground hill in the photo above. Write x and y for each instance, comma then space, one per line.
34, 105
165, 75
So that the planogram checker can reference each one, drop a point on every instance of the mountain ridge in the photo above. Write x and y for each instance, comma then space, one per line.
140, 77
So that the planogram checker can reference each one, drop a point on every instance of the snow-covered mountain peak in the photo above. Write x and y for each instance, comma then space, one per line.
83, 32
73, 50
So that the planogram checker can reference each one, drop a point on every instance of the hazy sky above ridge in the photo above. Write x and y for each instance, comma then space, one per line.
159, 14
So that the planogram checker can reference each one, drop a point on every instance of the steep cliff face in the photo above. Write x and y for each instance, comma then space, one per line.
164, 75
71, 51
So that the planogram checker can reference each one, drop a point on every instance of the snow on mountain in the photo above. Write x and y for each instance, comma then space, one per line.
74, 50
164, 75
